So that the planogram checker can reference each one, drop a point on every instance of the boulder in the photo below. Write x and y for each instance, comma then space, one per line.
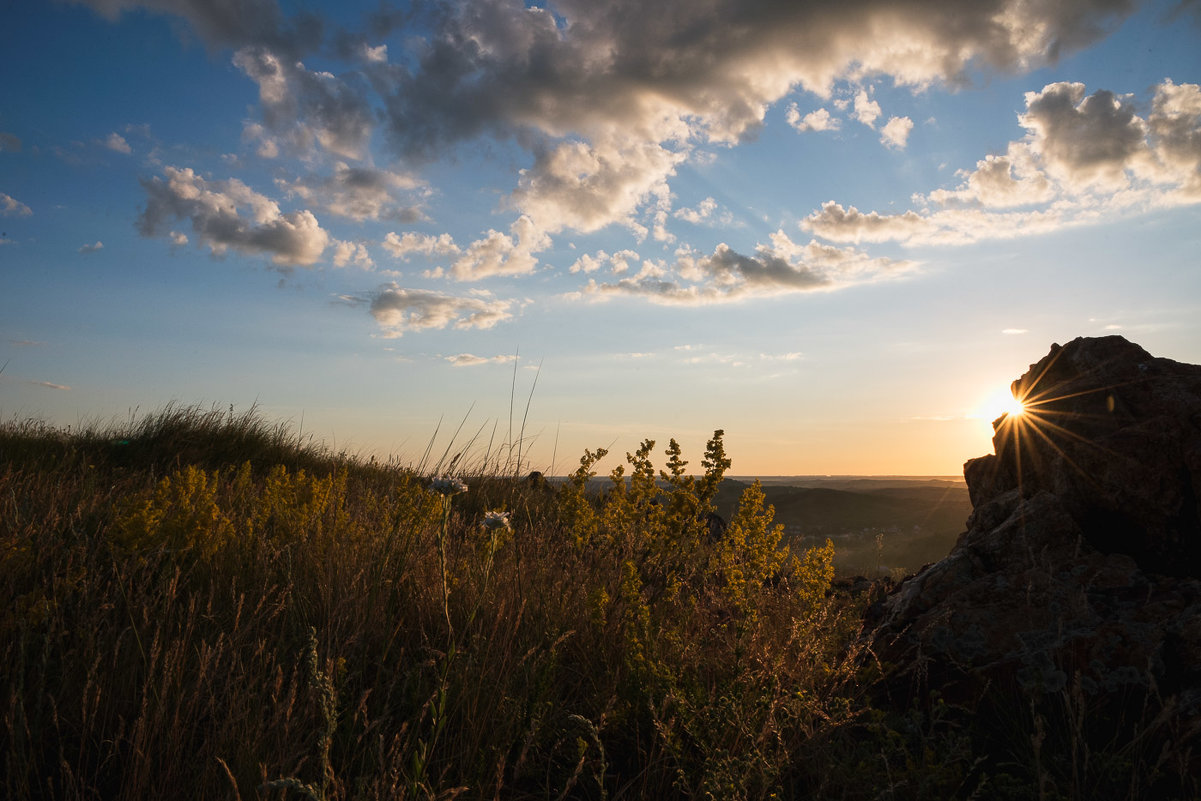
1080, 569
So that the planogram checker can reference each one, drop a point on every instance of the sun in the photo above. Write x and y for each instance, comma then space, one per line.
1012, 406
1001, 402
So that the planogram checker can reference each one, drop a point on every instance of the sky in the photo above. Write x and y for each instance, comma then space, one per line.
834, 230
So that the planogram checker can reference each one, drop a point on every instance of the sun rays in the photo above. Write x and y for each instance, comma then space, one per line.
1037, 423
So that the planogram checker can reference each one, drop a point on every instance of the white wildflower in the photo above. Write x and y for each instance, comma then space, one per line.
446, 485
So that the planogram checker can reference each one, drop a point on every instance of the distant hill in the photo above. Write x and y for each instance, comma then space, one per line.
917, 519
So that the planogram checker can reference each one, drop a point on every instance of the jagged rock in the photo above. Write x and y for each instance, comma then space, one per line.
1081, 563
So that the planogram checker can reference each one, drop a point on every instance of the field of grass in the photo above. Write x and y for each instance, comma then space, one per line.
194, 605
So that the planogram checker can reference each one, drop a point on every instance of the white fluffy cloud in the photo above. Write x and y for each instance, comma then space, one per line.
818, 120
707, 212
356, 253
502, 254
586, 187
92, 248
229, 214
402, 247
895, 132
398, 310
866, 110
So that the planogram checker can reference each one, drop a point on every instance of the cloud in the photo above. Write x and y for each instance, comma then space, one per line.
1015, 331
177, 238
1000, 181
410, 243
502, 254
609, 98
11, 207
360, 193
49, 385
781, 267
398, 310
352, 253
866, 109
228, 214
707, 212
618, 263
305, 109
498, 66
1083, 140
895, 132
116, 142
9, 143
586, 187
819, 120
471, 360
92, 248
1085, 159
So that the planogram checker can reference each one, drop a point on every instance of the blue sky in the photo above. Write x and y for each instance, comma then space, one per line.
836, 231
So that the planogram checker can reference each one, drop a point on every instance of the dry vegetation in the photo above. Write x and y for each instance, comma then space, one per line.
194, 606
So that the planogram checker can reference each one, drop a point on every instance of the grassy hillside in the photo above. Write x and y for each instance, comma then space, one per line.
196, 605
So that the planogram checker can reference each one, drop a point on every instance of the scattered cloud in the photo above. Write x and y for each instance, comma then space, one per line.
92, 248
354, 253
1014, 331
895, 133
707, 212
49, 385
471, 360
11, 207
1085, 159
228, 214
398, 310
9, 143
866, 110
726, 275
410, 243
819, 120
116, 142
618, 263
502, 254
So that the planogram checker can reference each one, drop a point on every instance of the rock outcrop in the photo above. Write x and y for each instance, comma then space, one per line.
1080, 569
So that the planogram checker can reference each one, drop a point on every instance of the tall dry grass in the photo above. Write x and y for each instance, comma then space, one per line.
197, 605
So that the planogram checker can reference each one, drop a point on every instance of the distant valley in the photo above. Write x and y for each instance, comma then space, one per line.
878, 524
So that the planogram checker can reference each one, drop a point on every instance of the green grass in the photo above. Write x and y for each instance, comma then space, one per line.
198, 605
